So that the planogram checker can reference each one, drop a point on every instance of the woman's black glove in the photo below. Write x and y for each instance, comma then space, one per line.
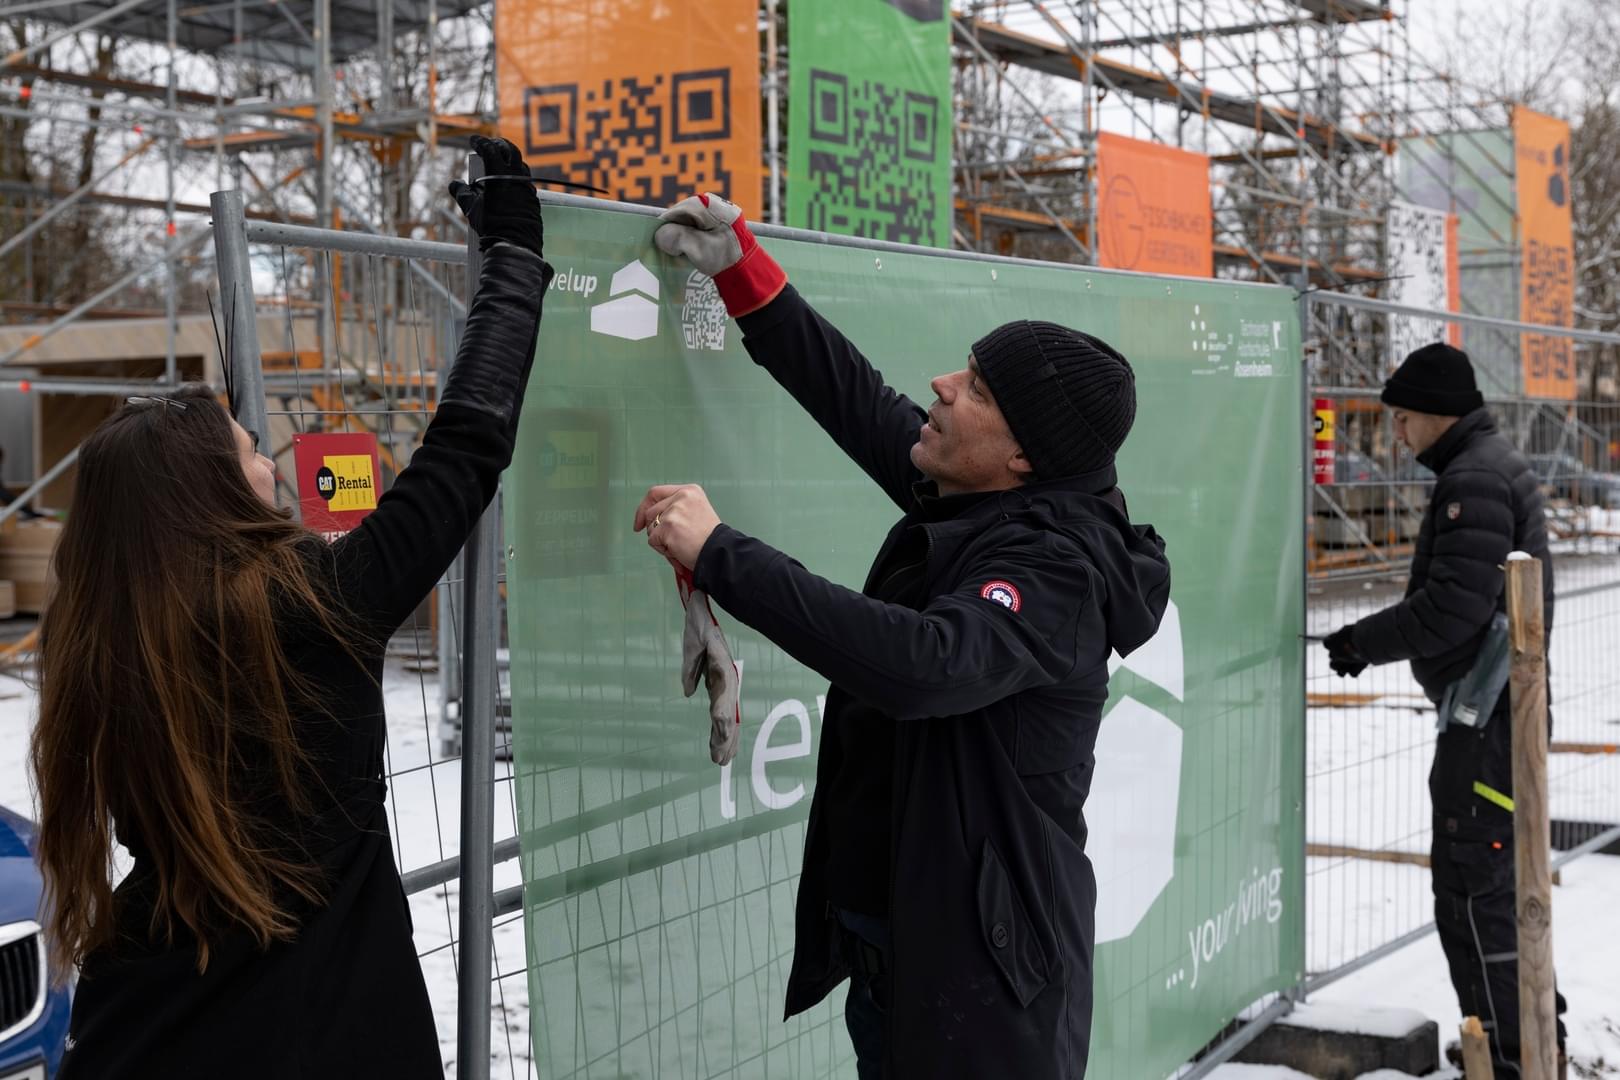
501, 205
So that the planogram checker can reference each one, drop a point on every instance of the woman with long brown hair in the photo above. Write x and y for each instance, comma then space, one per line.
211, 701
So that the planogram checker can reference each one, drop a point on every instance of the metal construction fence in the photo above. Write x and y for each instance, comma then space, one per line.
1367, 744
1370, 740
449, 787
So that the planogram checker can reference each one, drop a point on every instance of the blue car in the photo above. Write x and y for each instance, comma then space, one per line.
33, 1014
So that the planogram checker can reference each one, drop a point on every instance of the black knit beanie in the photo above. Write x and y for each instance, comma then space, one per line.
1068, 397
1435, 379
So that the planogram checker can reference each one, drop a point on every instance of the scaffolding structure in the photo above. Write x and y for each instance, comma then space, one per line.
337, 113
1299, 106
327, 112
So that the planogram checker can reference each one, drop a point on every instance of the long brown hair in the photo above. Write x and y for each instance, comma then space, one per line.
163, 685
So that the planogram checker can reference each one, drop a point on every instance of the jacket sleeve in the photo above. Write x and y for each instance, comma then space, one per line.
394, 557
1472, 515
962, 652
808, 356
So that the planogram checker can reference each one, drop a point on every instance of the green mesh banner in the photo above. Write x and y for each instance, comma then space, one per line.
659, 889
869, 119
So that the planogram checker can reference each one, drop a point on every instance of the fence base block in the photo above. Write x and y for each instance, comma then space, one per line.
1571, 834
1341, 1043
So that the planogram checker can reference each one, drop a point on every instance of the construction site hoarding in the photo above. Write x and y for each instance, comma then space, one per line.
1547, 251
659, 889
1423, 272
1153, 208
650, 100
869, 119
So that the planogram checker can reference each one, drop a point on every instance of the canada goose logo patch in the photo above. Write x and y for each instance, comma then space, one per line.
1453, 511
1003, 593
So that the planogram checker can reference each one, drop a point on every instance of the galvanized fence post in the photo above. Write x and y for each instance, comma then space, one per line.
480, 614
239, 320
1307, 435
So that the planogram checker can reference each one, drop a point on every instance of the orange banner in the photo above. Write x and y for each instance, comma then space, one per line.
650, 100
1547, 247
1153, 211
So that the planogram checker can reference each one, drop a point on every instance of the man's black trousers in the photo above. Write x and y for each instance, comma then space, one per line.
1472, 864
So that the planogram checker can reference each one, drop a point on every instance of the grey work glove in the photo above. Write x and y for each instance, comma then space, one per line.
700, 227
715, 239
705, 656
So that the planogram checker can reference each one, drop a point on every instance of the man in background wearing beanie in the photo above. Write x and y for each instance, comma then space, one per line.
944, 866
1486, 503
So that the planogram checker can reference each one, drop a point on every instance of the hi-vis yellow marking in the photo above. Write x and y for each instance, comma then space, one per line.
356, 487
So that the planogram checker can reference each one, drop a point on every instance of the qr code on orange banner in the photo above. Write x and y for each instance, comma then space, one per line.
653, 138
874, 157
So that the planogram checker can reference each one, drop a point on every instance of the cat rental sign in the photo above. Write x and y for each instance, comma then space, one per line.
338, 480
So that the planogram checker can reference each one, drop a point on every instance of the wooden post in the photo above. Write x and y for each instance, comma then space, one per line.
1476, 1051
1532, 831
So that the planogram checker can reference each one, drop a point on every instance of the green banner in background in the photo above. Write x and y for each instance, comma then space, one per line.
1470, 174
659, 889
869, 119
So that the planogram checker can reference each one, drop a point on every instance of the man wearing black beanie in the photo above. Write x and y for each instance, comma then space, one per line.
1451, 626
945, 873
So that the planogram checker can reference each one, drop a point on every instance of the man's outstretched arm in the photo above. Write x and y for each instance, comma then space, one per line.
803, 352
966, 649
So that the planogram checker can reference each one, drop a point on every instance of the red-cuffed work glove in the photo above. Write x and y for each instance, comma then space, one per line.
713, 236
704, 655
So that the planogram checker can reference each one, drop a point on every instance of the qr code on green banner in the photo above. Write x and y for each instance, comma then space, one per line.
874, 159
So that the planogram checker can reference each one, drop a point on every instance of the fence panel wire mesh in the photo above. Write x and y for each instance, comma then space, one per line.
395, 324
1370, 740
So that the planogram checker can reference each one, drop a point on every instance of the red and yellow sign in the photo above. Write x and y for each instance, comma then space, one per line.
338, 480
1547, 251
1323, 440
651, 100
1153, 209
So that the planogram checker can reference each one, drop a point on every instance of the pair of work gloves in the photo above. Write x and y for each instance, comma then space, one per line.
1343, 656
714, 237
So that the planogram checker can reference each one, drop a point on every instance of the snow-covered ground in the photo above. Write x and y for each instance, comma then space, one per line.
1369, 745
1586, 953
1370, 741
425, 806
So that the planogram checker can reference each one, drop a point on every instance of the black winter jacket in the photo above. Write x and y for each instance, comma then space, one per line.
997, 706
1486, 503
346, 998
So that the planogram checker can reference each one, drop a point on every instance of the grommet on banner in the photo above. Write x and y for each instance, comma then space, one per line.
879, 263
992, 273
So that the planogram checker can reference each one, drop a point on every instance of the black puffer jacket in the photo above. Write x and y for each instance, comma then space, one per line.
1487, 503
997, 684
346, 998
